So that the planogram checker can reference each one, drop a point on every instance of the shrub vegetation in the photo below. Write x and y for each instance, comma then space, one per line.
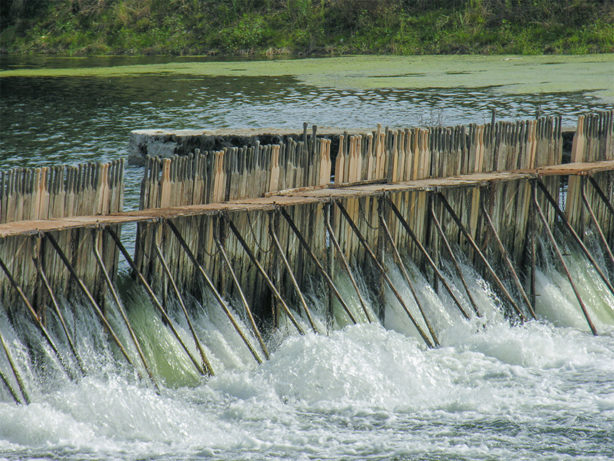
305, 27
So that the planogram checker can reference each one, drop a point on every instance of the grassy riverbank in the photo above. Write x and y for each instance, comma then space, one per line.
306, 27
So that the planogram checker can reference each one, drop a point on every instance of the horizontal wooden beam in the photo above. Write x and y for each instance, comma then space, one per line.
298, 197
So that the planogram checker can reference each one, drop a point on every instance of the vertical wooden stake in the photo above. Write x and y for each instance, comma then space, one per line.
18, 378
562, 261
268, 280
214, 290
248, 310
423, 250
58, 311
382, 271
335, 242
292, 277
508, 261
153, 298
575, 235
96, 237
604, 241
321, 269
35, 316
475, 247
459, 271
410, 284
206, 364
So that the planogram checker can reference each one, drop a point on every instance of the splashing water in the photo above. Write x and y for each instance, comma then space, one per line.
365, 391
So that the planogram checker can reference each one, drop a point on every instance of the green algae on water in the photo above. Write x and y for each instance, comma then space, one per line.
505, 74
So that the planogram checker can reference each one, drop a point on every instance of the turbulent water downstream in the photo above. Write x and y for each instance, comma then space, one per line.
370, 391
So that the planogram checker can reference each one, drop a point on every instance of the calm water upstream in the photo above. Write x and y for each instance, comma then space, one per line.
492, 391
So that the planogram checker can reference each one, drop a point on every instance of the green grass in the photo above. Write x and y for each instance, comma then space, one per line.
307, 27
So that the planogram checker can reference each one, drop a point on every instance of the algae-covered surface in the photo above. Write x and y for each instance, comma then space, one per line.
509, 74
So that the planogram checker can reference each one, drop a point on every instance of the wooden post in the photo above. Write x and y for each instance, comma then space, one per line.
456, 265
326, 275
12, 391
475, 247
508, 261
268, 280
58, 311
335, 242
602, 195
206, 363
248, 310
330, 264
292, 277
153, 298
216, 293
423, 250
89, 296
575, 235
410, 284
562, 261
96, 234
35, 316
595, 222
382, 271
533, 231
18, 378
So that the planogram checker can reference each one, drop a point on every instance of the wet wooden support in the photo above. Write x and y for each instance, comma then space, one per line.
596, 224
544, 221
237, 284
154, 299
533, 253
426, 254
346, 265
206, 363
575, 235
481, 255
508, 262
215, 292
408, 280
382, 271
292, 277
98, 311
459, 271
16, 374
96, 235
58, 313
9, 387
602, 195
266, 277
317, 263
37, 320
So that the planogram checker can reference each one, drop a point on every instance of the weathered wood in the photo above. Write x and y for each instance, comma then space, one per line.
206, 363
16, 374
562, 261
154, 299
456, 265
475, 247
292, 278
576, 237
346, 265
508, 262
410, 284
381, 269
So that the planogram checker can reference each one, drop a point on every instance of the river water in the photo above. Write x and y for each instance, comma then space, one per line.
493, 390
